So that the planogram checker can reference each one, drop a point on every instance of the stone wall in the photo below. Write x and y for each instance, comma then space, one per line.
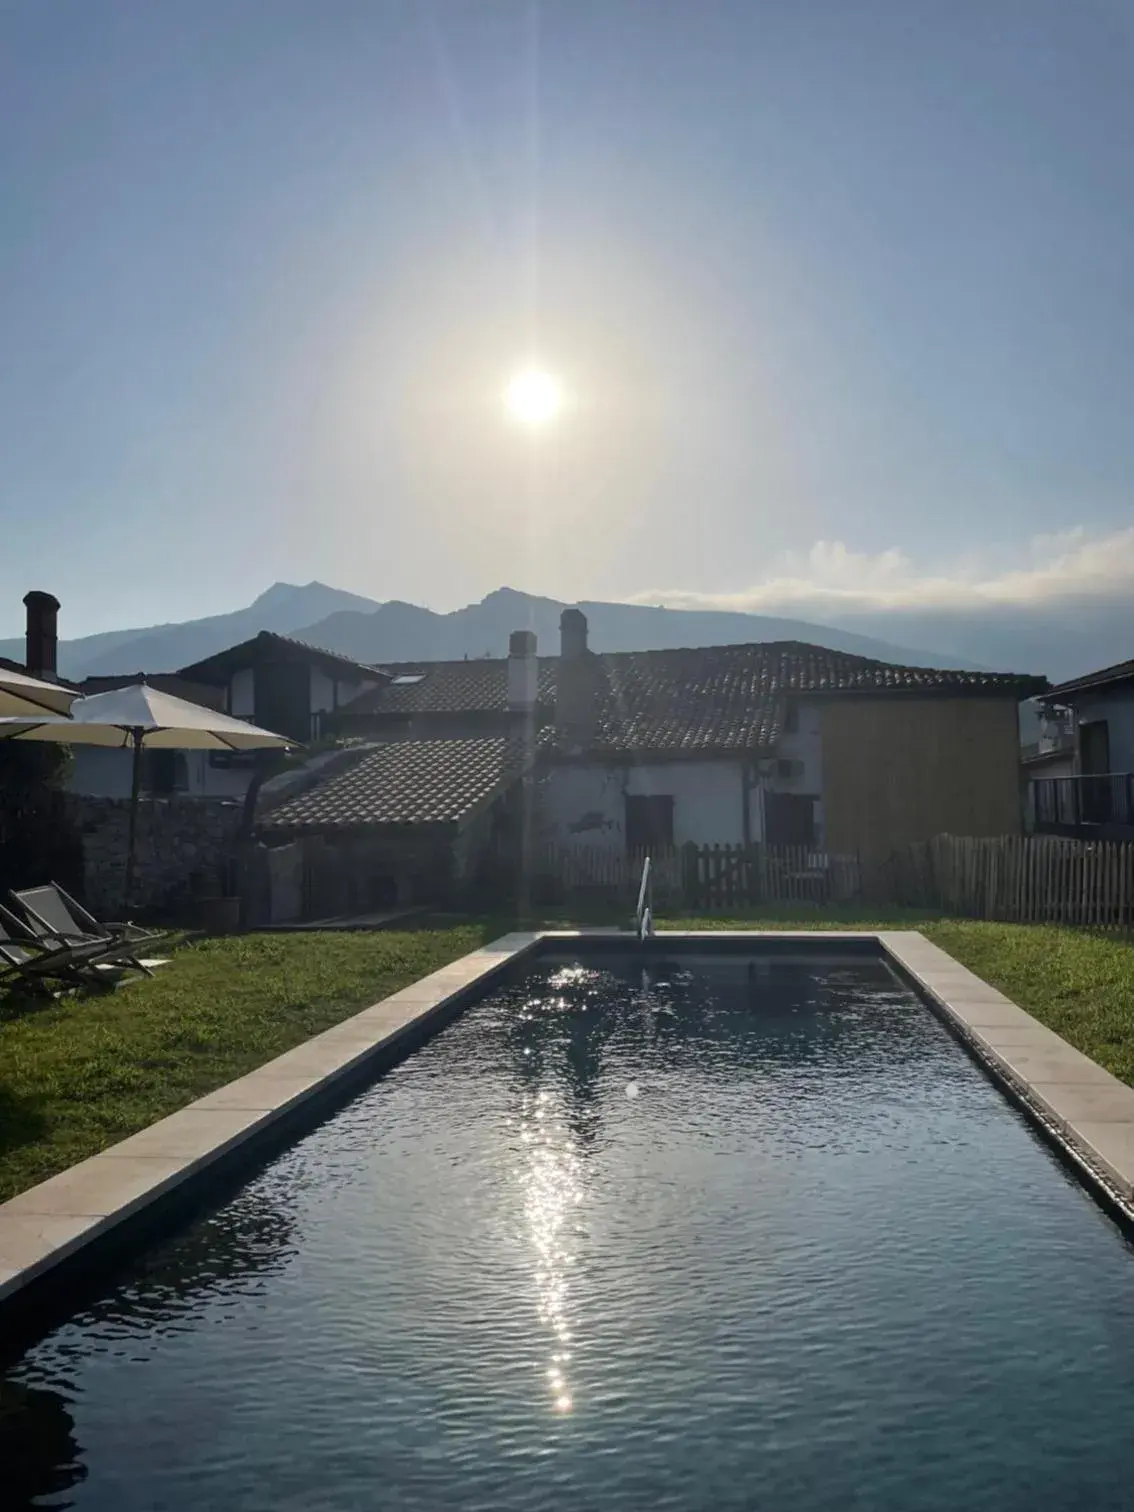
182, 850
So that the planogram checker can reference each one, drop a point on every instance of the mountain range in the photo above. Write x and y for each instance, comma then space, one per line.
1058, 645
398, 632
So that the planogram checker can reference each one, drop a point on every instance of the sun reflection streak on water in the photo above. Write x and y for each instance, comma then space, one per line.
553, 1190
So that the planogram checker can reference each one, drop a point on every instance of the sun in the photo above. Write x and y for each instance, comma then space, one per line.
533, 397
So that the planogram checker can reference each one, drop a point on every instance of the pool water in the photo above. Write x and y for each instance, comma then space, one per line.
717, 1234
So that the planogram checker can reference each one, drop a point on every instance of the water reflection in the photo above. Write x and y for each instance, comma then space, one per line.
208, 1267
39, 1454
653, 1021
218, 1259
553, 1191
559, 1044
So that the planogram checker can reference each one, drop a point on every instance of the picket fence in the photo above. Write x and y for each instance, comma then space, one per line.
709, 877
1017, 878
1012, 878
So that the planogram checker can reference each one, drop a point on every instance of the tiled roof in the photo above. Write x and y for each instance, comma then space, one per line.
450, 687
1122, 672
686, 701
406, 782
233, 657
733, 697
715, 698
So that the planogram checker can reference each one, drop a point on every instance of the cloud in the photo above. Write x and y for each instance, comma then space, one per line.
1073, 564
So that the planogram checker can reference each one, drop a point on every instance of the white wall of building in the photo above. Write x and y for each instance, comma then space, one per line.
102, 773
351, 687
585, 805
803, 746
208, 781
322, 692
242, 694
1117, 709
328, 693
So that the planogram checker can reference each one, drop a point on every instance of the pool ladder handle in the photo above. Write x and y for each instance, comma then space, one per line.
644, 914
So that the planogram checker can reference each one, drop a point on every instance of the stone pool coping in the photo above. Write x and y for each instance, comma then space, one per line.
1083, 1107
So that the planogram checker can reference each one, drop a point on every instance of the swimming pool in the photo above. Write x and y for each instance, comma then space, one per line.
717, 1232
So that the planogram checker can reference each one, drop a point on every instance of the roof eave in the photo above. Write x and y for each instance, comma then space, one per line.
393, 829
222, 664
656, 755
1094, 683
1017, 689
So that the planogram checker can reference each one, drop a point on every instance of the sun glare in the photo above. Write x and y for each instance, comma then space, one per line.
533, 397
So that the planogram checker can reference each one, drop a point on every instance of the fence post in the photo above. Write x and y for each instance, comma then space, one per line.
690, 891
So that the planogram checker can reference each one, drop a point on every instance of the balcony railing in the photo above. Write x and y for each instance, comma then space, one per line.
1077, 803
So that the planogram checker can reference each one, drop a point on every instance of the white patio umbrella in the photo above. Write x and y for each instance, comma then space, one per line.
21, 694
141, 718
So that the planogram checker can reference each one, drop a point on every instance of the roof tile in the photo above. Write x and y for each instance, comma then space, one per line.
450, 687
405, 782
713, 698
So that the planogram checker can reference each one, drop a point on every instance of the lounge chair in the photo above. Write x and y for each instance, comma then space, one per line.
25, 961
56, 919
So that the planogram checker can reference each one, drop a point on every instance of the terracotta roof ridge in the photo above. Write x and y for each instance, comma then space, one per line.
808, 649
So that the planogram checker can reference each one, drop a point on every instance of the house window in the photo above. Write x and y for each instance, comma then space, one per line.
233, 761
649, 822
789, 819
791, 719
164, 773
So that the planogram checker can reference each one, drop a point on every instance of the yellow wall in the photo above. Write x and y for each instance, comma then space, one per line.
902, 769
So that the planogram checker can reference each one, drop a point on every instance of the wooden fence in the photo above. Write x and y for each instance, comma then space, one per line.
613, 875
710, 877
1017, 878
1013, 878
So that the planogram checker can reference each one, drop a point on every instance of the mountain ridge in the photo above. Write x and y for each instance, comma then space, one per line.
399, 632
391, 631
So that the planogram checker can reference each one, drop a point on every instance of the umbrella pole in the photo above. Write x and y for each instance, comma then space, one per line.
135, 791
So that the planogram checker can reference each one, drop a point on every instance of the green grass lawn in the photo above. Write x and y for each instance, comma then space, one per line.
82, 1072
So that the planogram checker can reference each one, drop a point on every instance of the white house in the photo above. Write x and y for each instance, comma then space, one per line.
276, 682
660, 748
1089, 792
283, 684
781, 742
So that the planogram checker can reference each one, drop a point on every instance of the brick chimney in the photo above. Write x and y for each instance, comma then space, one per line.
576, 689
42, 641
523, 672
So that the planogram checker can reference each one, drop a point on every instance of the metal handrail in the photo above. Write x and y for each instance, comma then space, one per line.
644, 914
1088, 798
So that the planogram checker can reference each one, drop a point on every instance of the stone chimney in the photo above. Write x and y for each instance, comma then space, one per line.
40, 656
576, 689
572, 634
523, 672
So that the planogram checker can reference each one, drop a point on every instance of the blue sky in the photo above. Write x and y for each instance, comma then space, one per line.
841, 295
